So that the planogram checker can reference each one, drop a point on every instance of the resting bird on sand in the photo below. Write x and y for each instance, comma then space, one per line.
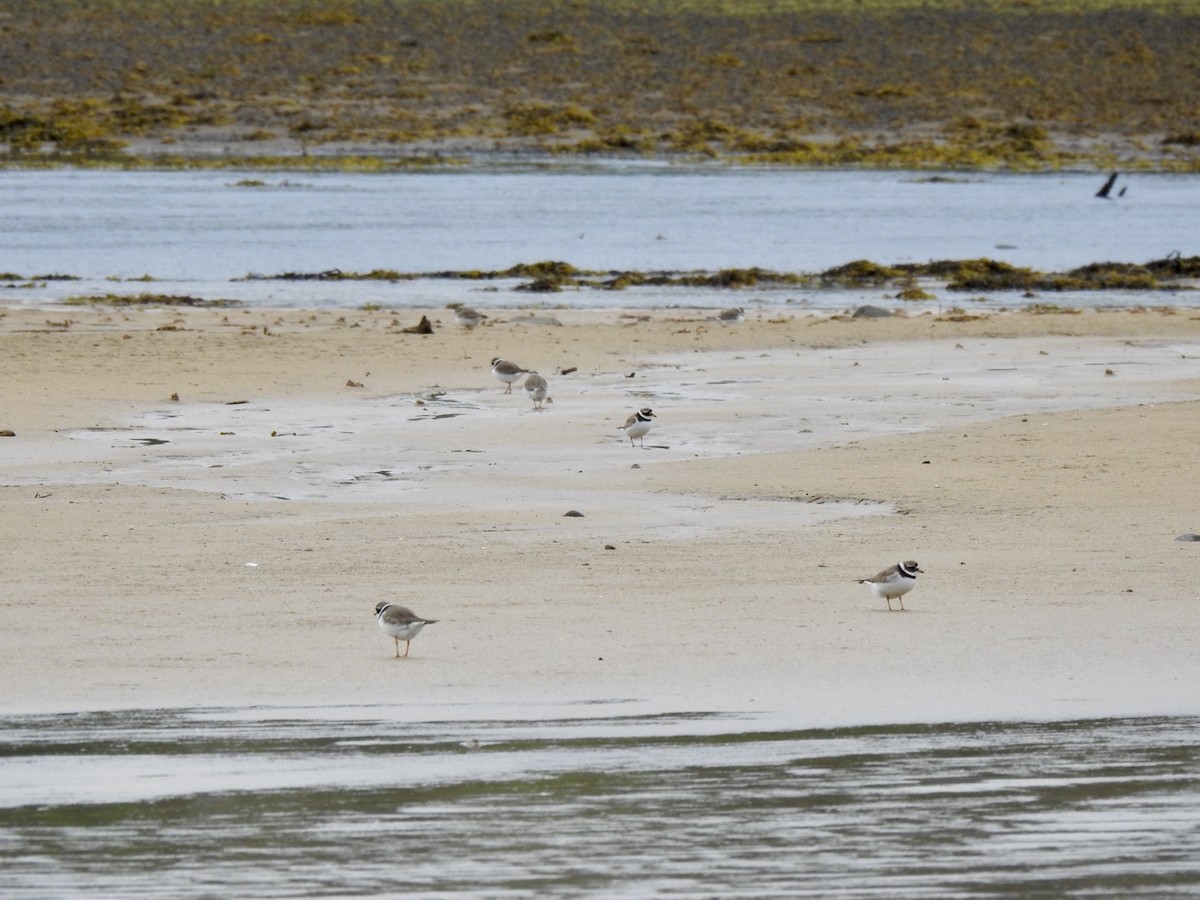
638, 424
894, 582
507, 372
538, 389
468, 318
730, 316
400, 624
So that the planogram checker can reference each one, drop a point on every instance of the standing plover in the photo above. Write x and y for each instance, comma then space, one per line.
468, 318
400, 624
638, 424
731, 315
507, 372
894, 581
537, 388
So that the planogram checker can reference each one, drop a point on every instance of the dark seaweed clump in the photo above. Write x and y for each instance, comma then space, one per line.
148, 300
1175, 272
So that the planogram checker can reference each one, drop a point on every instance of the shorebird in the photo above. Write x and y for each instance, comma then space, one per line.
538, 389
507, 372
731, 315
467, 317
638, 424
400, 624
894, 582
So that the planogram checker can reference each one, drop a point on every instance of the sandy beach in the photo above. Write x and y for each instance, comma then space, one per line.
203, 507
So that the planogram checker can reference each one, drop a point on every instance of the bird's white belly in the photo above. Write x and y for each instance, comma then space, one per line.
893, 589
402, 632
637, 429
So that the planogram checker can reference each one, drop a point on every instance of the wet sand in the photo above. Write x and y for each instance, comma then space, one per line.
228, 547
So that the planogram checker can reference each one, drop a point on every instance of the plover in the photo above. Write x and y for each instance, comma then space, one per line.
467, 317
894, 581
537, 388
507, 372
731, 315
638, 424
400, 624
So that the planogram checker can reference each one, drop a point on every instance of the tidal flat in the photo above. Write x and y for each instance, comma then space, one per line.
371, 86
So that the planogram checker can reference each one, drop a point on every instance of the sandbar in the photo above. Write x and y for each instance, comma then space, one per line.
203, 507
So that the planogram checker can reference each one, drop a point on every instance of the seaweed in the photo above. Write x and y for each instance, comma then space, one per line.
336, 275
786, 82
147, 300
1175, 266
860, 272
977, 275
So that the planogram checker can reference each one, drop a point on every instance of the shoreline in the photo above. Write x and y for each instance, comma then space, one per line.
1041, 494
1064, 153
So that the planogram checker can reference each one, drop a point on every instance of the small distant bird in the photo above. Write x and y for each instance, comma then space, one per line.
1108, 186
894, 582
467, 317
400, 624
731, 315
638, 424
538, 389
508, 372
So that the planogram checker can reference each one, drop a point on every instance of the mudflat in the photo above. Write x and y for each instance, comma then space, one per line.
203, 507
1024, 84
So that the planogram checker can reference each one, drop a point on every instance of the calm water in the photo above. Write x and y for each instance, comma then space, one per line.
202, 233
270, 804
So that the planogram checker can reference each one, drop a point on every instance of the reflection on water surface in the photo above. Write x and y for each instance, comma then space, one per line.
223, 803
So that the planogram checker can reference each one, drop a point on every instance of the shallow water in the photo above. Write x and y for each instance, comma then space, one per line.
370, 800
202, 233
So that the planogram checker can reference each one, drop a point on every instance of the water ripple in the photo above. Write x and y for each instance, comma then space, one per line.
198, 804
